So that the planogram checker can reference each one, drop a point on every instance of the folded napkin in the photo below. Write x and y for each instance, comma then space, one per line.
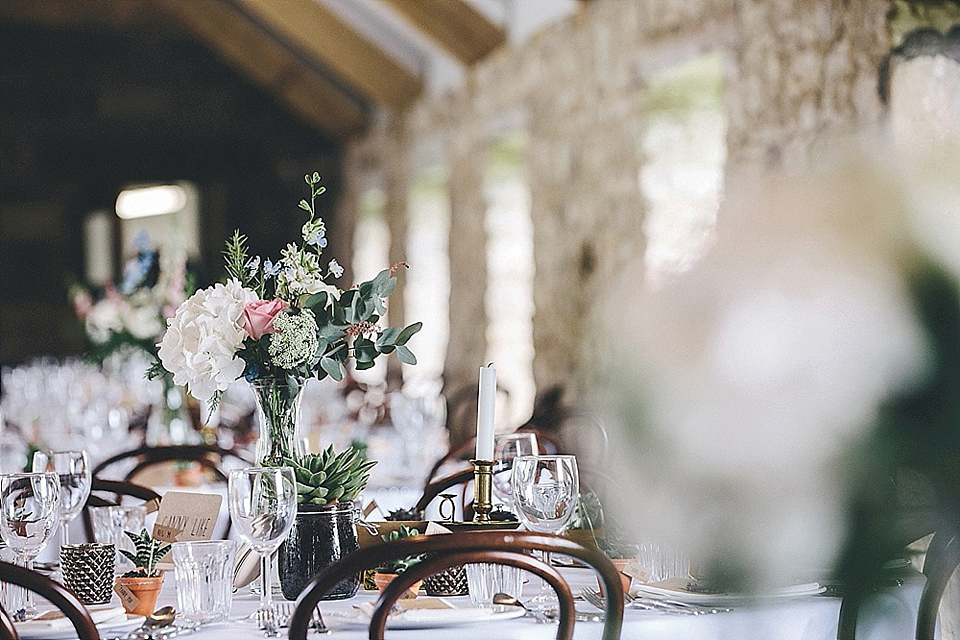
54, 620
428, 610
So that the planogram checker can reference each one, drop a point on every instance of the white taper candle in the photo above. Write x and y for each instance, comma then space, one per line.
486, 408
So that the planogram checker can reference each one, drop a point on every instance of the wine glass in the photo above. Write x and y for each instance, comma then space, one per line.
29, 511
73, 469
508, 447
545, 492
263, 505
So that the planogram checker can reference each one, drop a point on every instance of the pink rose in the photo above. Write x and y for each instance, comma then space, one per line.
258, 316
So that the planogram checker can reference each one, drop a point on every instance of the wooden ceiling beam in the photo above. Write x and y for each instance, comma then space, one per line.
321, 34
453, 24
269, 64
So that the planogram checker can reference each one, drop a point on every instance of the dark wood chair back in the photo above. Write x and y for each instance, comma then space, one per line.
7, 630
119, 489
56, 593
208, 456
457, 548
940, 563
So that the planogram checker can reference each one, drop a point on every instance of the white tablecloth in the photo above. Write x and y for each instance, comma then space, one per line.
890, 616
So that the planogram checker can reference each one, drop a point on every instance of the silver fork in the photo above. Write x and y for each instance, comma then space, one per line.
285, 612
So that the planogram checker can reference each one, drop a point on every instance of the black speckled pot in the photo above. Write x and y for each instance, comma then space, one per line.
319, 537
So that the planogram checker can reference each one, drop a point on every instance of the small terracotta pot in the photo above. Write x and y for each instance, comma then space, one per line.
625, 580
383, 579
146, 590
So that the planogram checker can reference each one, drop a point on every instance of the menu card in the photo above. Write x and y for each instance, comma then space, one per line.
185, 517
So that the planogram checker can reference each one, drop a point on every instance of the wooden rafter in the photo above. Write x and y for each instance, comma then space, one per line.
453, 24
269, 64
321, 34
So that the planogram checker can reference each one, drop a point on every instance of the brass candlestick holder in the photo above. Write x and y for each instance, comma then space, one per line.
482, 490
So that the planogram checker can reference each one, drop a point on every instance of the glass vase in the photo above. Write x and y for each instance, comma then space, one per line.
278, 412
169, 422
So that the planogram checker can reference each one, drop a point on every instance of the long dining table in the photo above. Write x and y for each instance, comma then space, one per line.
889, 615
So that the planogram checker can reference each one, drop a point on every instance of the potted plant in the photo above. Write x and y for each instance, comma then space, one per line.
144, 581
620, 555
387, 572
324, 530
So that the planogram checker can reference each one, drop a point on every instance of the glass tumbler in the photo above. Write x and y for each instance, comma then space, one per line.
110, 522
487, 580
204, 573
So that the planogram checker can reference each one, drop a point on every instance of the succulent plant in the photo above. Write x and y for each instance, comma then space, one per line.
324, 478
148, 553
399, 565
401, 515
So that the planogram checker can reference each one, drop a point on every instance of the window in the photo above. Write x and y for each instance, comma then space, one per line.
510, 270
427, 281
684, 151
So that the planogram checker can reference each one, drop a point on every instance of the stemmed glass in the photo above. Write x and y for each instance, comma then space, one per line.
29, 511
263, 505
508, 447
73, 470
545, 491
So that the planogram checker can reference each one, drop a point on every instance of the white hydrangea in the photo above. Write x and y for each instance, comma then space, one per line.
200, 345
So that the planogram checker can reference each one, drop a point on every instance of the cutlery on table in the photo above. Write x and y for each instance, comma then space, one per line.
286, 609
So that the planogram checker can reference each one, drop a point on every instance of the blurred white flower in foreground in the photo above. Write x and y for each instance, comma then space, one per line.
742, 388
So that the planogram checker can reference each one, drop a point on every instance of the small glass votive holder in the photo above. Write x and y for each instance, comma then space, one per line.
204, 571
486, 580
109, 524
88, 570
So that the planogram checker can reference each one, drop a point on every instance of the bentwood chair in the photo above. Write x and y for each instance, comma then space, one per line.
119, 489
505, 547
208, 456
56, 593
7, 630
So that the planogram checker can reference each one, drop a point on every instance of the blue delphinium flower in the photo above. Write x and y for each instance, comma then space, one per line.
335, 268
270, 269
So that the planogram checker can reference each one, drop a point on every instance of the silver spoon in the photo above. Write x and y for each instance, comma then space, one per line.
162, 617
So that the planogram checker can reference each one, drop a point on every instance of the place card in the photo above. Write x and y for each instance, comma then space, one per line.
186, 517
127, 599
433, 529
636, 571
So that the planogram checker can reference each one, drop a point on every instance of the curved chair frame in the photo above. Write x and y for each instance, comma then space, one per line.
393, 592
943, 557
119, 488
56, 593
462, 543
156, 455
7, 630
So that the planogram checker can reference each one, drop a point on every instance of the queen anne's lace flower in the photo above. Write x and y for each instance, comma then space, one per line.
200, 345
294, 340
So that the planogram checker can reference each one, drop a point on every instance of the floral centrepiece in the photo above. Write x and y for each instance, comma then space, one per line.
278, 324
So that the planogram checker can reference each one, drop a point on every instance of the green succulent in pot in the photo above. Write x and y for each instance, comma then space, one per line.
148, 552
326, 478
399, 565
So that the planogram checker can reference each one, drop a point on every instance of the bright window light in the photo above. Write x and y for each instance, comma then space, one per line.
143, 202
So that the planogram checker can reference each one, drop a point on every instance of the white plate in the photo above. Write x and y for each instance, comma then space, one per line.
430, 618
675, 590
42, 631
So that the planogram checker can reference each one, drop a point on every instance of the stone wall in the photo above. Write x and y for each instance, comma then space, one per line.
800, 71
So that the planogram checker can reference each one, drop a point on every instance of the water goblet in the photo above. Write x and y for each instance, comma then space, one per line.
73, 471
545, 492
29, 512
508, 447
263, 505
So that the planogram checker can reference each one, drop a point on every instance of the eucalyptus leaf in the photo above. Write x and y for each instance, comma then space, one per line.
405, 355
407, 333
333, 368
